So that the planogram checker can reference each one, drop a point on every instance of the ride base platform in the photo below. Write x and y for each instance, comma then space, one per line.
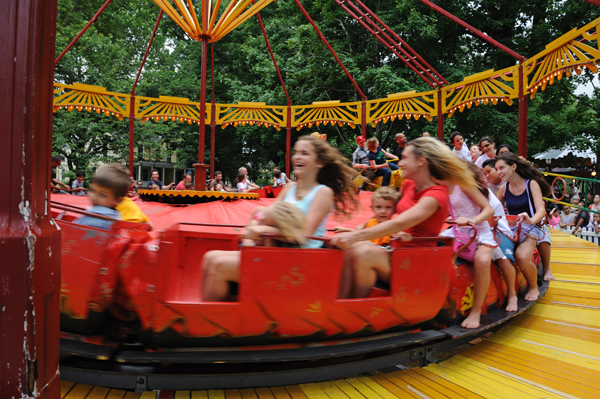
550, 351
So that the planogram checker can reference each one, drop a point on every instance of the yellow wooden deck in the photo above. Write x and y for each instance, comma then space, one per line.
551, 351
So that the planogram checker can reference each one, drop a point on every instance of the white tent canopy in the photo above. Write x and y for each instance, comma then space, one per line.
556, 154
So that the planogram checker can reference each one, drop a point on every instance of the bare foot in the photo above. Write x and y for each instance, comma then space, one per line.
532, 295
548, 276
472, 321
512, 305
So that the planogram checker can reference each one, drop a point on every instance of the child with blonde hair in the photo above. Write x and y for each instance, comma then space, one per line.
383, 204
287, 218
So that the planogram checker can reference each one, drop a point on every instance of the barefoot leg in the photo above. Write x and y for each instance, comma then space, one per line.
509, 273
219, 271
544, 248
369, 264
481, 284
523, 257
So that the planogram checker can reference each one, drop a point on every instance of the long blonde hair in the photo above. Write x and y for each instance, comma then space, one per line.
289, 219
443, 164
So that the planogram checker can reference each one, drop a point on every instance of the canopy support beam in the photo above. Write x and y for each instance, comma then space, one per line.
132, 98
85, 28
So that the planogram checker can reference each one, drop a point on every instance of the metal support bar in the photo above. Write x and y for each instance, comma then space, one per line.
85, 28
330, 48
477, 32
411, 58
262, 27
132, 98
363, 118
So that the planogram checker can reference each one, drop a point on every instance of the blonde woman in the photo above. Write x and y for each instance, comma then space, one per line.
425, 163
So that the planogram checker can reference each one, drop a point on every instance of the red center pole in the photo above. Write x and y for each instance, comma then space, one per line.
440, 115
200, 167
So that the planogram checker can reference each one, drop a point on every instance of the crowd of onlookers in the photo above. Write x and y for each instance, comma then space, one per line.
242, 183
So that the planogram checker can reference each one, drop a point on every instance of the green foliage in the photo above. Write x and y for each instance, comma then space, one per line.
109, 55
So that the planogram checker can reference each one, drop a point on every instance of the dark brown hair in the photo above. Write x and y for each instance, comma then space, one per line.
335, 174
526, 171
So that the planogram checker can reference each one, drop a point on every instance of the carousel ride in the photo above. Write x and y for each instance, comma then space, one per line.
131, 309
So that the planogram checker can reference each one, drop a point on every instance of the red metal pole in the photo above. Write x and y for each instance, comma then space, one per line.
330, 48
369, 20
29, 239
200, 167
85, 28
213, 113
523, 110
594, 2
477, 32
131, 132
363, 118
262, 27
440, 115
132, 100
288, 141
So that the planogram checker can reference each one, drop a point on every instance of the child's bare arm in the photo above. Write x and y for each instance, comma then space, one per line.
342, 229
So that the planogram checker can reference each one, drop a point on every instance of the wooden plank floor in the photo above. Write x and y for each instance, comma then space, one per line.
551, 351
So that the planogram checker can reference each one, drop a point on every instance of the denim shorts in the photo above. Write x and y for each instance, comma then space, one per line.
506, 249
540, 234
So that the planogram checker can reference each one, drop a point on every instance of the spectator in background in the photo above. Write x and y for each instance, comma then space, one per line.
491, 176
249, 182
475, 152
401, 140
567, 218
186, 179
140, 186
242, 183
155, 181
77, 186
574, 191
55, 185
502, 148
489, 151
581, 220
460, 149
217, 180
426, 134
279, 178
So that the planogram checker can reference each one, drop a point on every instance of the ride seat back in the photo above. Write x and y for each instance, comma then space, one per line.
182, 247
289, 290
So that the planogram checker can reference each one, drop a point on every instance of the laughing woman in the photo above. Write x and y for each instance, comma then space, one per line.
523, 193
323, 179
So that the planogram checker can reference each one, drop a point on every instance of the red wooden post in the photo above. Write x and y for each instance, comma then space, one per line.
440, 115
288, 141
29, 239
131, 132
363, 118
200, 167
523, 111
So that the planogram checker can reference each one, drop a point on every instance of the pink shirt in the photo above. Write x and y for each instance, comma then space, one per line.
180, 186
